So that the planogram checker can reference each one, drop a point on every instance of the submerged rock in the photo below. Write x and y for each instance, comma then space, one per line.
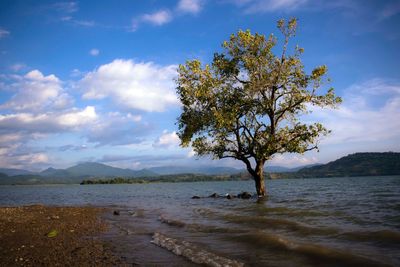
229, 196
195, 197
215, 195
244, 195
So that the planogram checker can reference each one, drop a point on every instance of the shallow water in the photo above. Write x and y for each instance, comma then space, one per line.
304, 222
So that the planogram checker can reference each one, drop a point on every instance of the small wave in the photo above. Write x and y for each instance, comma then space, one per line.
288, 211
386, 236
171, 222
343, 258
280, 224
193, 227
192, 252
205, 212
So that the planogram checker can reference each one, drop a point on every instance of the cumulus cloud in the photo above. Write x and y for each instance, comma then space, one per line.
167, 140
158, 18
141, 86
3, 33
24, 161
35, 92
165, 16
94, 52
190, 6
48, 122
369, 113
18, 157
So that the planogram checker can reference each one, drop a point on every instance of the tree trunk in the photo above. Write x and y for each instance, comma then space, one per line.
259, 179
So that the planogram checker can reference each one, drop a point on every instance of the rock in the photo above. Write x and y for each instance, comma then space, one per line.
116, 212
195, 197
244, 195
228, 196
215, 195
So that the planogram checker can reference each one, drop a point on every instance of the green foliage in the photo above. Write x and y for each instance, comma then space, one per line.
172, 178
246, 104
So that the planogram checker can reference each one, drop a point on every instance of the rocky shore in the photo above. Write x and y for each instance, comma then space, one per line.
54, 236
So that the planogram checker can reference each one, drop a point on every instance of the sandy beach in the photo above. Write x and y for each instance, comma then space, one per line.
54, 236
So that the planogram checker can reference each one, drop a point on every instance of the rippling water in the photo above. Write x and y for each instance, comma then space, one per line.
304, 222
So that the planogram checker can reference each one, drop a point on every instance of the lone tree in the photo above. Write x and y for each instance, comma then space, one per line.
246, 104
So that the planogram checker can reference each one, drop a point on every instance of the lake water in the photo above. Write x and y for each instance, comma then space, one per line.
304, 222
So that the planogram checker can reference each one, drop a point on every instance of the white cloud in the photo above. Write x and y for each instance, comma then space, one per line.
35, 92
94, 52
84, 23
158, 18
67, 7
24, 161
291, 160
48, 122
3, 33
190, 6
167, 140
256, 6
17, 67
370, 112
141, 86
76, 73
191, 153
66, 18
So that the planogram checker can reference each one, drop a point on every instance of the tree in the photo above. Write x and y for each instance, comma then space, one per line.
247, 103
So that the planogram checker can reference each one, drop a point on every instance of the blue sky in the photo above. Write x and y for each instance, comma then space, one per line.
93, 80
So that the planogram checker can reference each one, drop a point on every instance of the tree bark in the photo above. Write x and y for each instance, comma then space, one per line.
259, 179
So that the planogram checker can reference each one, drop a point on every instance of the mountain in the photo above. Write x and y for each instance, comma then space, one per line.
51, 172
358, 164
272, 169
12, 172
102, 170
168, 170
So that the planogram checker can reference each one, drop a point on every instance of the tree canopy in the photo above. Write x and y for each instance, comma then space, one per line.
246, 104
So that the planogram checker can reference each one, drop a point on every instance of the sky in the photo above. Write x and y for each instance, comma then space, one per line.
94, 80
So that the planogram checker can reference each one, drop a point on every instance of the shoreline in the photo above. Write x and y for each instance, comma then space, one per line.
39, 235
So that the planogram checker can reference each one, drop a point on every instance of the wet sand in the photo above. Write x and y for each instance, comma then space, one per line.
25, 238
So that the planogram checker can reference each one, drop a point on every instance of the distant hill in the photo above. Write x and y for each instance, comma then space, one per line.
51, 172
12, 172
169, 170
358, 164
97, 169
94, 169
74, 174
272, 168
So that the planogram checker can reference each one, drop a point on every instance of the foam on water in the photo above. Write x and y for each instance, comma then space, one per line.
193, 252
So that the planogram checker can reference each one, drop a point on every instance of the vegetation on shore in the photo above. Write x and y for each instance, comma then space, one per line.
174, 178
